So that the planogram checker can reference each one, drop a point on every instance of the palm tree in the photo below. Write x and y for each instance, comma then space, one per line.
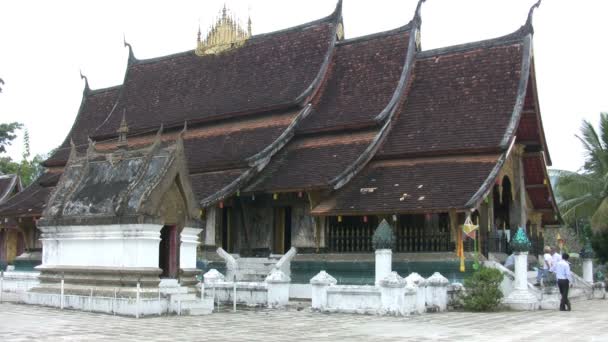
585, 193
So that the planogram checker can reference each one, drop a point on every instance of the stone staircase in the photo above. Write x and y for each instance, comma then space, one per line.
255, 269
185, 300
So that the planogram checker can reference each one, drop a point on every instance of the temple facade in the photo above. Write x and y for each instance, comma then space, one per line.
302, 138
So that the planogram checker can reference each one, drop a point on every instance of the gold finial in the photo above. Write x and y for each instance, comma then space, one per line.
122, 131
227, 33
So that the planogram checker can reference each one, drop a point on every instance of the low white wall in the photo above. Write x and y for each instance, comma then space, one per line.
250, 294
119, 306
392, 296
119, 245
353, 299
300, 291
19, 282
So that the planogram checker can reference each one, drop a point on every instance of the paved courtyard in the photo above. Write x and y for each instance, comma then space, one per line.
587, 322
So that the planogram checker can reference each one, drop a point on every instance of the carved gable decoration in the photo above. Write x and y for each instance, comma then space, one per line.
128, 185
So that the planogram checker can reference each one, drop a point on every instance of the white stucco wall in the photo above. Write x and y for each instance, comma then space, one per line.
121, 245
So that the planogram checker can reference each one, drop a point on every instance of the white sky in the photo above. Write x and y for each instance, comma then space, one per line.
44, 44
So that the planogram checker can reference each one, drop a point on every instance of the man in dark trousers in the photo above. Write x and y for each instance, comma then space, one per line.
564, 281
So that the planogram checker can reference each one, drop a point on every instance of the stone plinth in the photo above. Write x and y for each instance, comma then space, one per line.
419, 284
436, 292
392, 294
278, 289
319, 284
384, 259
521, 298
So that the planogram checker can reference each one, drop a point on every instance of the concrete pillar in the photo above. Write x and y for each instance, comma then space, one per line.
210, 219
278, 288
588, 270
189, 243
437, 291
384, 259
392, 294
319, 284
419, 284
521, 298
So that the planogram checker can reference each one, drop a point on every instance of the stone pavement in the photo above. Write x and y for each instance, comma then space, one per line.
587, 322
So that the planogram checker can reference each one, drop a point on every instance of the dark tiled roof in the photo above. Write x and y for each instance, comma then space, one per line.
363, 76
311, 162
268, 71
458, 101
208, 183
29, 202
428, 184
95, 108
223, 148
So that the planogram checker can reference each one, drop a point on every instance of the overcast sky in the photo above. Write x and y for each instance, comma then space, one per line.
44, 44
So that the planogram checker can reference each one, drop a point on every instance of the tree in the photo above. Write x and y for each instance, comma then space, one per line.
584, 194
7, 134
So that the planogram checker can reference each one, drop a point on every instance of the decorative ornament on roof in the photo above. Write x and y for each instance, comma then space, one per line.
226, 34
520, 242
122, 131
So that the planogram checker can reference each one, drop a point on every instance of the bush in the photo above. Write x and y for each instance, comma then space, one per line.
482, 290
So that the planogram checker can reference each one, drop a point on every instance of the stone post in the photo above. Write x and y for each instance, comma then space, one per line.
436, 292
588, 270
383, 241
278, 288
384, 260
419, 284
319, 284
392, 294
521, 298
587, 254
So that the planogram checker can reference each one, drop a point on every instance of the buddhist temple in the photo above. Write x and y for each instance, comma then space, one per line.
302, 138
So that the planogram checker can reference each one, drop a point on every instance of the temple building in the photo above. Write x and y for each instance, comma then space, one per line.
300, 138
11, 238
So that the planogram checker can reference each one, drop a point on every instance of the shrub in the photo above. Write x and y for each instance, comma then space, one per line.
482, 290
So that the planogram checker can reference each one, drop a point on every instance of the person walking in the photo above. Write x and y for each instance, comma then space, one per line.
564, 281
544, 270
555, 257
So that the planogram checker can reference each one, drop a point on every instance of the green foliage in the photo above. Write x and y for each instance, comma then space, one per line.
7, 134
600, 245
585, 194
383, 237
482, 290
28, 170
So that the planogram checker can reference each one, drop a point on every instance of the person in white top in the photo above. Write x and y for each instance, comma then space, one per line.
564, 281
544, 270
555, 257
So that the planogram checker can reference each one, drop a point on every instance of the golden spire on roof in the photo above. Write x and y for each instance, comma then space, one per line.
227, 33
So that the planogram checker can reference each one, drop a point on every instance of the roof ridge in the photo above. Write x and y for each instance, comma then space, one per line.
404, 28
513, 37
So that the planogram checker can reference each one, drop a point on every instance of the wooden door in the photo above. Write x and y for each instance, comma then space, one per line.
168, 258
281, 232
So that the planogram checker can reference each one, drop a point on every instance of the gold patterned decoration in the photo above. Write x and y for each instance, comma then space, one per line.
225, 34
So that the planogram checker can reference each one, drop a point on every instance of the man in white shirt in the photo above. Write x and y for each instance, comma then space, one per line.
555, 257
544, 270
564, 281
